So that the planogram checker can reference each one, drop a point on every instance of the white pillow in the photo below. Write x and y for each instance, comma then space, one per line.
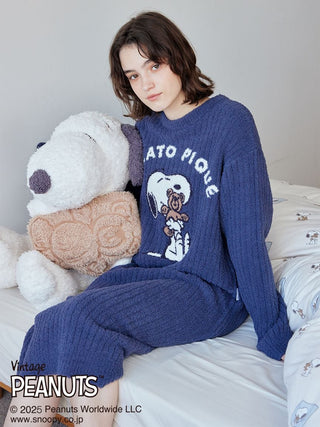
295, 228
310, 193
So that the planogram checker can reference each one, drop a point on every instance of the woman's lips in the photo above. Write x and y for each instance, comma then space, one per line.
153, 97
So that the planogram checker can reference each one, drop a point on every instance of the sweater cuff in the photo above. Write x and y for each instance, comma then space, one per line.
275, 341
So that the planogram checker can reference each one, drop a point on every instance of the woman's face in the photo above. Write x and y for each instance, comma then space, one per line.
153, 83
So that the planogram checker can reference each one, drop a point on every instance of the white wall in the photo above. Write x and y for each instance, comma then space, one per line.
264, 53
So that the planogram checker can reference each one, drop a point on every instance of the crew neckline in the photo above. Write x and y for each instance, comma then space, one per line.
192, 115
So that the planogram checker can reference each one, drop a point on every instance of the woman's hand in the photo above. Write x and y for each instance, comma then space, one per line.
283, 357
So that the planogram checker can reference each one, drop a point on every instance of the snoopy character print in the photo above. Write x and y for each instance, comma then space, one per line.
167, 196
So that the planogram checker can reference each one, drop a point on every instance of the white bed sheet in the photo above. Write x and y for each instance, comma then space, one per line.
218, 382
16, 317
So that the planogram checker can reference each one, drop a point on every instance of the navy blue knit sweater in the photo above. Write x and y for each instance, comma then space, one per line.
206, 208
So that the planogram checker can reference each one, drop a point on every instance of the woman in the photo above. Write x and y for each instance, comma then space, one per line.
206, 209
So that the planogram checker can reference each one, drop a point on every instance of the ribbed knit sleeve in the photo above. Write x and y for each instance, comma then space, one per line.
246, 213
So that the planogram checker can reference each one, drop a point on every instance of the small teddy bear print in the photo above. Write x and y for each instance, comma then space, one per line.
172, 211
175, 220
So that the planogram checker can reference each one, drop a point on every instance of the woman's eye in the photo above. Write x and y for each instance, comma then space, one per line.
155, 66
133, 76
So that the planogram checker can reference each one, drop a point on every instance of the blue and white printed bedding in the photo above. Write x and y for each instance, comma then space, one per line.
294, 248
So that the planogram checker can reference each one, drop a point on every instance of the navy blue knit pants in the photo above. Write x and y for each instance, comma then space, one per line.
127, 311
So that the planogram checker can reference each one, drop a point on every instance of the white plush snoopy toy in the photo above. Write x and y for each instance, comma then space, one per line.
89, 155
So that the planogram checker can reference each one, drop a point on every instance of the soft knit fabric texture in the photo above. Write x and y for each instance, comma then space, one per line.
91, 333
214, 153
89, 239
206, 208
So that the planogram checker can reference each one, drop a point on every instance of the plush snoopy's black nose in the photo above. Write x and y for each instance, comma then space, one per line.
39, 181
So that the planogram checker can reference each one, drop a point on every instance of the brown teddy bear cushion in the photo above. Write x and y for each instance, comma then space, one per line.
92, 238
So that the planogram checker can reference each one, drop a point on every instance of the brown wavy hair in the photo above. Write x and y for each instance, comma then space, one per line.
159, 39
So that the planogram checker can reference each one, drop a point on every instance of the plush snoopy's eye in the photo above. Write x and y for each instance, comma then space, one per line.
92, 139
40, 144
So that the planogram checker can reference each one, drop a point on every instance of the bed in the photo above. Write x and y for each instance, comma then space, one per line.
223, 381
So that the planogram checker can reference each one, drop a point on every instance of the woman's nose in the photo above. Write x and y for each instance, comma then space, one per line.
147, 84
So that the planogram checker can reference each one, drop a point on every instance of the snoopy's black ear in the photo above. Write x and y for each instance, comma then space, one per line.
40, 144
152, 204
135, 153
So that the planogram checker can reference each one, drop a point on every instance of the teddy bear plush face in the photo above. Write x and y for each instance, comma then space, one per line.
86, 156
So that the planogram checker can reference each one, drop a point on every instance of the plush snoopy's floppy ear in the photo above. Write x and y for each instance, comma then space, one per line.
135, 153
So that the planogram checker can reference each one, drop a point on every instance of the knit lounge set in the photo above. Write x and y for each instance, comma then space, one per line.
206, 208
